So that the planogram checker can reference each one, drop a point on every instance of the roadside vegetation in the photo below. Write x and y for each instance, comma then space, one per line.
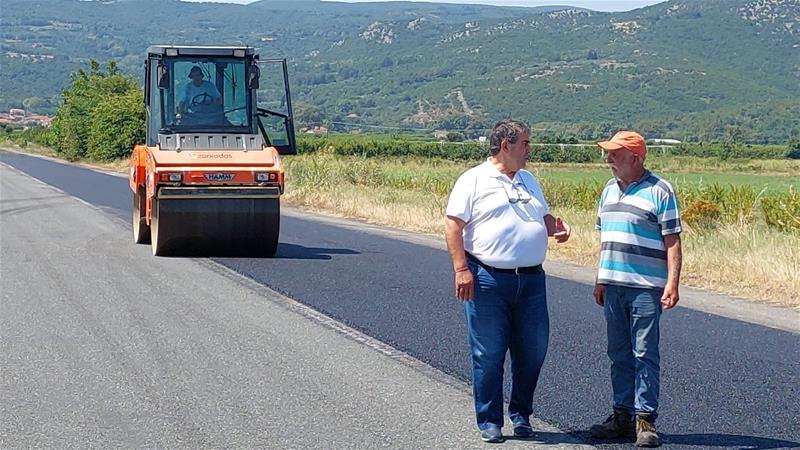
740, 203
742, 239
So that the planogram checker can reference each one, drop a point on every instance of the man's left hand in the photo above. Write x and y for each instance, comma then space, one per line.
670, 297
563, 231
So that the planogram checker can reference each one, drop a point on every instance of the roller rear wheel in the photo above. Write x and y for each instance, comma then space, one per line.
141, 231
156, 239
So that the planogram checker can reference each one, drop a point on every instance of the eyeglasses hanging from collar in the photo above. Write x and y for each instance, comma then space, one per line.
518, 196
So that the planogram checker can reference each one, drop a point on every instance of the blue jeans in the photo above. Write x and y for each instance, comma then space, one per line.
508, 313
632, 316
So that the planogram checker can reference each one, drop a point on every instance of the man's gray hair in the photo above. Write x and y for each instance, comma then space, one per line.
507, 129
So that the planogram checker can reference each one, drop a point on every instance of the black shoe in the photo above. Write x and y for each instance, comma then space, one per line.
618, 424
523, 429
492, 435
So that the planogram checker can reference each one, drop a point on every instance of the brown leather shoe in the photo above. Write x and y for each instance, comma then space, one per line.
618, 424
646, 435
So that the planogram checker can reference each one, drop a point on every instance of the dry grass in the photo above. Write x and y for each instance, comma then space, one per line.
746, 260
750, 261
118, 165
30, 147
400, 209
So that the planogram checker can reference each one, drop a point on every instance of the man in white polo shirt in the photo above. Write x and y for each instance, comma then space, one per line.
639, 273
496, 229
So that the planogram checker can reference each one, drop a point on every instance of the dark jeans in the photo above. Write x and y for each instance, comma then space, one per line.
632, 316
508, 312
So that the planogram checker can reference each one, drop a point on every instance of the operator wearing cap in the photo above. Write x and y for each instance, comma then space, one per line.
639, 273
198, 92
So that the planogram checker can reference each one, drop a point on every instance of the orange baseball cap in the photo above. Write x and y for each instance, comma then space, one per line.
629, 140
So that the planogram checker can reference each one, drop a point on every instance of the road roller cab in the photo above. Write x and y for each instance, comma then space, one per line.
209, 177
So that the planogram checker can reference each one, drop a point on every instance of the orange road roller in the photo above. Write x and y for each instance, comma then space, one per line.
208, 179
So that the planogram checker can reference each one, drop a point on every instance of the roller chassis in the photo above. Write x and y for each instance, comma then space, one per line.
219, 218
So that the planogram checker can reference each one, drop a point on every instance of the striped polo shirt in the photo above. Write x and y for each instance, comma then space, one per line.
632, 227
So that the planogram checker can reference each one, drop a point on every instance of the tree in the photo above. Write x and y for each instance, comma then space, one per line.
793, 151
89, 98
306, 114
34, 104
734, 134
116, 125
455, 136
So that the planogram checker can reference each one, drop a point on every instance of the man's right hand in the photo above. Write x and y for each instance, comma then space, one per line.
464, 285
600, 294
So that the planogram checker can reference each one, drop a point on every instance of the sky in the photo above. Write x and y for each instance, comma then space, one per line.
597, 5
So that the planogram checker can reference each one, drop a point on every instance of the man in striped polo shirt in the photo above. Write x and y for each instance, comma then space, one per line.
639, 273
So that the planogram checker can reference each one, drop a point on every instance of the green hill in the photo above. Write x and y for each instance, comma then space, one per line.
686, 69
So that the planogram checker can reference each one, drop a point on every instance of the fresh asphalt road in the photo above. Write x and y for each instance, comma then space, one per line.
104, 346
725, 383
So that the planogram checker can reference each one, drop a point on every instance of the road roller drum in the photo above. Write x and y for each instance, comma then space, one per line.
193, 225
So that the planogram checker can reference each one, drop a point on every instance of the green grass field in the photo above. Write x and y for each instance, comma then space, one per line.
771, 184
436, 175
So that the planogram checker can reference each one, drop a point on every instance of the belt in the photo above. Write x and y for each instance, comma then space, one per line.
533, 270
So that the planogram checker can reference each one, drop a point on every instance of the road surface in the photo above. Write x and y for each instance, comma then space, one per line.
194, 347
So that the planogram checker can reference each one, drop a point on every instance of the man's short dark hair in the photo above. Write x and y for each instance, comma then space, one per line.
507, 129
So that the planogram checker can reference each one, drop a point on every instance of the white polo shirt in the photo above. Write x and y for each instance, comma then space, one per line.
505, 218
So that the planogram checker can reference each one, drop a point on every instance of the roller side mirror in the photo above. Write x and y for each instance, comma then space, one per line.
253, 77
163, 77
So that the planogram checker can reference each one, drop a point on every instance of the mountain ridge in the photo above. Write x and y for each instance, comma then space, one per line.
696, 70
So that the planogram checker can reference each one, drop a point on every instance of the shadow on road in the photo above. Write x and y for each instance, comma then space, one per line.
732, 441
547, 438
705, 440
294, 251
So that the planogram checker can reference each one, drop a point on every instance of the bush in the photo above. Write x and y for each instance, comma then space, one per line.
91, 96
582, 195
117, 124
38, 135
731, 204
739, 203
702, 214
783, 211
377, 146
793, 152
370, 147
728, 150
565, 154
455, 136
